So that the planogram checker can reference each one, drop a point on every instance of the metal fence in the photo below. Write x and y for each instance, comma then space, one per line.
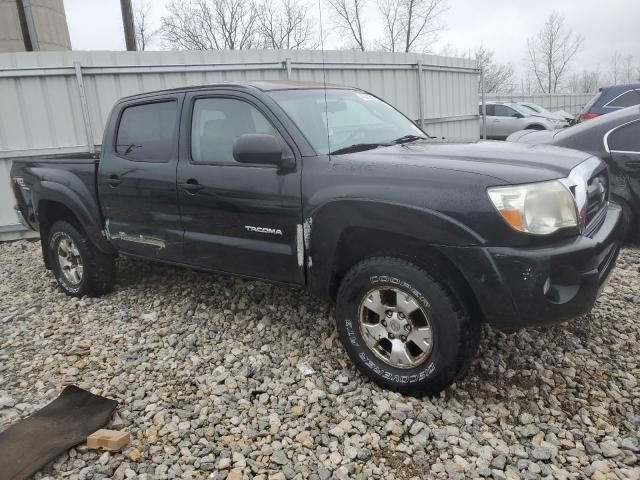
572, 103
59, 101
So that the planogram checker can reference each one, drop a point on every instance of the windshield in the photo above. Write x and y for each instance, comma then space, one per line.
521, 108
529, 107
348, 119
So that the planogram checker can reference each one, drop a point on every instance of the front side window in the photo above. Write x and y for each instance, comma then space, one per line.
217, 122
627, 99
336, 119
626, 138
147, 132
503, 111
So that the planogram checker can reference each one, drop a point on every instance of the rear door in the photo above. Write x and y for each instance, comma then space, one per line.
238, 218
491, 121
137, 178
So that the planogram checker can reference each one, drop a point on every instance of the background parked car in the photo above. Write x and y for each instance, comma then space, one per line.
505, 118
540, 110
616, 139
610, 99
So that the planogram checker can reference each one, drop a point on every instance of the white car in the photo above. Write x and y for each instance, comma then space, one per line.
505, 118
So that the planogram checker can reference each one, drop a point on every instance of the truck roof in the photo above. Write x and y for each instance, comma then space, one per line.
263, 85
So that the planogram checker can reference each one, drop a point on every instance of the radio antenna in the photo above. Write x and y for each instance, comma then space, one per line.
324, 76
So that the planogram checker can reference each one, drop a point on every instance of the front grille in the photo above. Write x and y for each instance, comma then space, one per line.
597, 195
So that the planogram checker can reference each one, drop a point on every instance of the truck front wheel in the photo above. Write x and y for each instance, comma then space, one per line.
79, 268
403, 328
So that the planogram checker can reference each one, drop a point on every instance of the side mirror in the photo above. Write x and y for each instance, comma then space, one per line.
262, 149
518, 115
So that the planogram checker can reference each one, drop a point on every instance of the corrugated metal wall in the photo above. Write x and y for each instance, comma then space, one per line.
572, 103
60, 101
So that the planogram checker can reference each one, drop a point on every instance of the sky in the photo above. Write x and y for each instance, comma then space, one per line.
503, 26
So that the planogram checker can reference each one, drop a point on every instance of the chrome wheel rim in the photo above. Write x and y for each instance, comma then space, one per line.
395, 327
70, 260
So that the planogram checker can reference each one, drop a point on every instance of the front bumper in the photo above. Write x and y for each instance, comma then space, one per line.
521, 287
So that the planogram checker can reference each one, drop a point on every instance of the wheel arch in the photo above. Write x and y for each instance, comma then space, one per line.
55, 201
357, 244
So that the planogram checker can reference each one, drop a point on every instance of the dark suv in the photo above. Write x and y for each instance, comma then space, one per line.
610, 99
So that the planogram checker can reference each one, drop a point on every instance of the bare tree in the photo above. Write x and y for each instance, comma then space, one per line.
349, 19
211, 24
615, 68
550, 51
145, 33
390, 11
586, 81
286, 25
410, 24
498, 77
629, 70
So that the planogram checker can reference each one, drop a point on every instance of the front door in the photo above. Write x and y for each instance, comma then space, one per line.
238, 218
506, 121
137, 179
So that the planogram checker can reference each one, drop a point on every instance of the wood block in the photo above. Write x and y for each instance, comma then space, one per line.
110, 440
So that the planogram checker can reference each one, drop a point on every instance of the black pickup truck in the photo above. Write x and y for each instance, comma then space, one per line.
331, 189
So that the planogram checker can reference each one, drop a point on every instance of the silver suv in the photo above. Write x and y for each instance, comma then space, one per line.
505, 118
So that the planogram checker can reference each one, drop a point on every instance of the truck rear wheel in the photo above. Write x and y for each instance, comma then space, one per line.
403, 328
79, 268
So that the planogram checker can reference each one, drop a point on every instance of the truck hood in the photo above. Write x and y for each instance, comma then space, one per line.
509, 162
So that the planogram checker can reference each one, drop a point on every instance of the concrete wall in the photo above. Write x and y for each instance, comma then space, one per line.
49, 24
10, 32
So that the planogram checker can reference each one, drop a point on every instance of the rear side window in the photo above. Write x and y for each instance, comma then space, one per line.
625, 139
146, 132
627, 99
489, 109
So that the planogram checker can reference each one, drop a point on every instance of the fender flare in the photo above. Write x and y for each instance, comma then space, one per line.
79, 200
334, 219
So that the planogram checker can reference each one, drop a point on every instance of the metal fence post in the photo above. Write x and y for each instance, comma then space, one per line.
287, 64
484, 105
420, 94
85, 108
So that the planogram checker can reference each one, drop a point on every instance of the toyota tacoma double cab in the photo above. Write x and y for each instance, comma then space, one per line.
416, 240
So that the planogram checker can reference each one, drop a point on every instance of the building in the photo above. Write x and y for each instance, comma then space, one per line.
32, 25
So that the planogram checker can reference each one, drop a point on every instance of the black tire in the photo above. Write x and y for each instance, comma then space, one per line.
628, 230
99, 269
455, 338
535, 126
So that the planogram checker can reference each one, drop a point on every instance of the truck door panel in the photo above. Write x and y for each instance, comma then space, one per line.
137, 180
238, 218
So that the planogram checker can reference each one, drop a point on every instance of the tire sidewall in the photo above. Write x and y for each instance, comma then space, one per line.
58, 232
442, 361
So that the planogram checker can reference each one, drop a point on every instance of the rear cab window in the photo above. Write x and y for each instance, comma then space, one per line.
147, 132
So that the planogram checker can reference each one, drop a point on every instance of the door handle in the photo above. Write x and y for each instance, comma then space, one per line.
114, 180
191, 186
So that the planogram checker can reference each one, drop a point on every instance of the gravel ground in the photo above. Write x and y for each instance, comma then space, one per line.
225, 378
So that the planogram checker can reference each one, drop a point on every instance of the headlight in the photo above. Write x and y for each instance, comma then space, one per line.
537, 208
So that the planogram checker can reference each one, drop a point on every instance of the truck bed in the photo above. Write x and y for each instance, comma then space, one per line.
75, 170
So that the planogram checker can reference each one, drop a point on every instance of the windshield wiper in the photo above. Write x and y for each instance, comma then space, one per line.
408, 138
359, 147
